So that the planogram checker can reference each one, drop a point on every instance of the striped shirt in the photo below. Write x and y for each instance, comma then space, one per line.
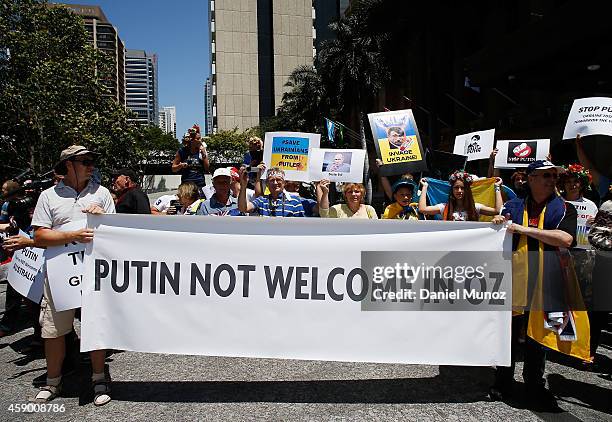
284, 206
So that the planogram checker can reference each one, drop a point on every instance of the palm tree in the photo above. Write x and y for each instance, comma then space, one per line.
352, 66
302, 106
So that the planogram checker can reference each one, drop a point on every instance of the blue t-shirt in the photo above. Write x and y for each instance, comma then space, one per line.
308, 205
284, 206
213, 207
195, 172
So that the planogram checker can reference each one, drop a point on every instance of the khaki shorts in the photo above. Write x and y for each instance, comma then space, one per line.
54, 323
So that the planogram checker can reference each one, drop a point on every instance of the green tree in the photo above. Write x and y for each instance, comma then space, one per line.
228, 146
353, 66
52, 91
303, 106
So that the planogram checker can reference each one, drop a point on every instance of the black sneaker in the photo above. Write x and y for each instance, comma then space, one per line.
499, 392
541, 399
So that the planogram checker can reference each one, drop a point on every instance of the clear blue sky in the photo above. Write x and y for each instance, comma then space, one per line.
177, 31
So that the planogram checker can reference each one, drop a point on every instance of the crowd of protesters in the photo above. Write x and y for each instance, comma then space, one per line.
542, 220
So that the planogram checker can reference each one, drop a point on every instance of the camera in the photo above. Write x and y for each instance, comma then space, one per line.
178, 208
23, 200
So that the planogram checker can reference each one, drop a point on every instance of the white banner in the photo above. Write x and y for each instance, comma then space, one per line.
273, 288
337, 165
521, 153
585, 211
65, 270
475, 145
290, 151
24, 272
589, 116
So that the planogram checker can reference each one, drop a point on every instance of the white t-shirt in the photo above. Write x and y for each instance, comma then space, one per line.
61, 204
459, 215
163, 202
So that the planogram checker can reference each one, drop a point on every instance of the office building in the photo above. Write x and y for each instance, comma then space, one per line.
141, 85
255, 45
167, 119
104, 36
208, 107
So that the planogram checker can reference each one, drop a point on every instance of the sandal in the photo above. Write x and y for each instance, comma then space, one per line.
46, 393
102, 390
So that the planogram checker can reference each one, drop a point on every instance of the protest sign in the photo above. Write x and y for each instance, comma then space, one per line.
65, 270
309, 289
290, 151
475, 145
589, 116
397, 142
24, 273
337, 165
521, 153
585, 211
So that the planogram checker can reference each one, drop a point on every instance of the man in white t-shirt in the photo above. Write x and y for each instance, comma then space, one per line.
68, 201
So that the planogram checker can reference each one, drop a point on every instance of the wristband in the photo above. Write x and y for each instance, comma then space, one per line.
497, 188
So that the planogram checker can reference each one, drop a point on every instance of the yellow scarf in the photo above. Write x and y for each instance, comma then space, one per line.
579, 348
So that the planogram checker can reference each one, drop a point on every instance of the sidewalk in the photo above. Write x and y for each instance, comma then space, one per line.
167, 387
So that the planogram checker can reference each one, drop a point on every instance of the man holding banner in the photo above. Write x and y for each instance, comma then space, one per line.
544, 296
68, 201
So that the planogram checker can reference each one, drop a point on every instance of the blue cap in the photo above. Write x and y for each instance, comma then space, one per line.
404, 183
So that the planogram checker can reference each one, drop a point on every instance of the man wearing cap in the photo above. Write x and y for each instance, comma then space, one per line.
276, 204
404, 208
221, 202
130, 198
68, 201
542, 223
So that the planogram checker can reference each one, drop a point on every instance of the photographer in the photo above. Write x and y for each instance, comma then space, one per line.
191, 160
12, 242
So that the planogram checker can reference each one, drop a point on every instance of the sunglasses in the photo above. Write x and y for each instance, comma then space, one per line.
86, 162
547, 175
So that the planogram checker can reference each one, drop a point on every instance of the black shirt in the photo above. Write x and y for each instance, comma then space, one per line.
133, 201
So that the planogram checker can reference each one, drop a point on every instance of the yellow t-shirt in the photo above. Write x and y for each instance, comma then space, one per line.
396, 212
343, 211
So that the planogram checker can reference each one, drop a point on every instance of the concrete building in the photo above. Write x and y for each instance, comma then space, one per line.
167, 119
104, 36
208, 107
255, 45
141, 85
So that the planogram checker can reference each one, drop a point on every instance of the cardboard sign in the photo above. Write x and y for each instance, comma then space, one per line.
65, 270
585, 210
397, 142
337, 165
290, 151
24, 273
589, 116
521, 153
475, 145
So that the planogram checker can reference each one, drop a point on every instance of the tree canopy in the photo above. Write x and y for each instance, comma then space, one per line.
52, 92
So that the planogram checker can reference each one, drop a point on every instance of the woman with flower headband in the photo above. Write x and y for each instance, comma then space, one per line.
460, 205
573, 183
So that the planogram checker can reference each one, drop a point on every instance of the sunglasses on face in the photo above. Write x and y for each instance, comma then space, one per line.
548, 175
85, 162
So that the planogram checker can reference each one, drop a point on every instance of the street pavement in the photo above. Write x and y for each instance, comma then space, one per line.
166, 387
